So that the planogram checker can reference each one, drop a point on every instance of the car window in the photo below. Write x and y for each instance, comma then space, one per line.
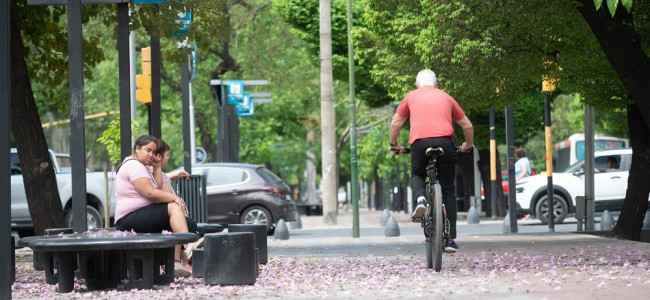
223, 176
266, 173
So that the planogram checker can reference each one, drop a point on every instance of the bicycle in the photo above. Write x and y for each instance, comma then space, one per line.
436, 226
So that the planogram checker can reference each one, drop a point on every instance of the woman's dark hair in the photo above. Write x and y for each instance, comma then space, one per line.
144, 140
162, 147
520, 152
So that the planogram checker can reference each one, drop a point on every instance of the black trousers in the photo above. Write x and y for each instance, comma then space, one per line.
446, 173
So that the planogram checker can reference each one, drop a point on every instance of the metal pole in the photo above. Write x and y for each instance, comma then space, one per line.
132, 71
192, 127
6, 249
353, 131
185, 80
222, 106
589, 168
493, 167
77, 127
549, 163
510, 142
124, 62
155, 115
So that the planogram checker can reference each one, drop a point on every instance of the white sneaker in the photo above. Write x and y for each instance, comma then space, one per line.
420, 209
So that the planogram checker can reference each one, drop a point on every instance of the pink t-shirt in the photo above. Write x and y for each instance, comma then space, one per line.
431, 113
127, 198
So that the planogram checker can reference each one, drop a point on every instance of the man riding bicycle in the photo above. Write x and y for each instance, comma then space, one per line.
431, 113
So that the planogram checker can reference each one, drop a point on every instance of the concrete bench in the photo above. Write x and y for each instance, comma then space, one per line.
104, 256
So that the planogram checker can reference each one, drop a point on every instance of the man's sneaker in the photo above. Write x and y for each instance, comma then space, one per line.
450, 246
420, 209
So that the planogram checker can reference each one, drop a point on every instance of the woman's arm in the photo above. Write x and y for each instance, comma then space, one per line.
178, 174
145, 188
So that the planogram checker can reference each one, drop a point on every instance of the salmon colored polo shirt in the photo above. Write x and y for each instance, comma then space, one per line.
431, 113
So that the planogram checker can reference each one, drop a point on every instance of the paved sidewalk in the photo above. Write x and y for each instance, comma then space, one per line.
324, 262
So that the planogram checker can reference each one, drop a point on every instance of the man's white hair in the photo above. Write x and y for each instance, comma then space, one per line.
426, 77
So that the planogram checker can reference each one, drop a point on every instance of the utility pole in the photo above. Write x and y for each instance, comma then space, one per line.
328, 138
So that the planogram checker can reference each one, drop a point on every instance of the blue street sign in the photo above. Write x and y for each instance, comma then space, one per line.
246, 108
201, 155
184, 19
235, 92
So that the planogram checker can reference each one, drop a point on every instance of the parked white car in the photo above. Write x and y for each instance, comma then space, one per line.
21, 221
610, 186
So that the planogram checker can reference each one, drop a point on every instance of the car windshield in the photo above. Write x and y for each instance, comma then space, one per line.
574, 167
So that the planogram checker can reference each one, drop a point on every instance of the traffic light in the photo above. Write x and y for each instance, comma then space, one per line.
143, 81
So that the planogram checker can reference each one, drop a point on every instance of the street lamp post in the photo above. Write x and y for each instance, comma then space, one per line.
353, 132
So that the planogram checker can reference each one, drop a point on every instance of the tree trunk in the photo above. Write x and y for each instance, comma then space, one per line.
39, 179
621, 45
328, 136
630, 221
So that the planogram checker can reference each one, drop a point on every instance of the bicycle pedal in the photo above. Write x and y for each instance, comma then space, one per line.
417, 219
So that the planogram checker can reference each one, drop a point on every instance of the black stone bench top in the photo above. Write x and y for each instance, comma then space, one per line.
204, 228
116, 240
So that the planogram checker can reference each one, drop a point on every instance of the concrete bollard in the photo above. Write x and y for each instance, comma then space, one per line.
646, 220
472, 216
506, 224
392, 229
297, 224
197, 262
229, 258
384, 217
606, 221
260, 237
281, 231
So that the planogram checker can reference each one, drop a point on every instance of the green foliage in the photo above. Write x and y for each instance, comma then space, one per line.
303, 17
612, 5
111, 138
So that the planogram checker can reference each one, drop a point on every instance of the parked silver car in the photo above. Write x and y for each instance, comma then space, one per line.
240, 193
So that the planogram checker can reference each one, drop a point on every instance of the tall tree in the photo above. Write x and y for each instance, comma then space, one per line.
624, 39
511, 44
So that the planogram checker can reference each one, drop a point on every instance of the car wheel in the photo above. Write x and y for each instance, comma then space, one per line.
257, 215
93, 218
560, 209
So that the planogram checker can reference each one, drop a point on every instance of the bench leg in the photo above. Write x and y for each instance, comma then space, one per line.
140, 267
65, 270
163, 266
48, 266
101, 269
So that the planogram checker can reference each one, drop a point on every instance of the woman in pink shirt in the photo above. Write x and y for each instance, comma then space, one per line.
140, 205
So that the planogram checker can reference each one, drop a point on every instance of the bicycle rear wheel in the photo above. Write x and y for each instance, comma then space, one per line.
438, 243
428, 228
429, 239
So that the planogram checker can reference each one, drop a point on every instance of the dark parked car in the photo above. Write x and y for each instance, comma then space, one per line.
246, 194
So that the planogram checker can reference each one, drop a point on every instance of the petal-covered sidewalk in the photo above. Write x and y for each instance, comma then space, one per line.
314, 265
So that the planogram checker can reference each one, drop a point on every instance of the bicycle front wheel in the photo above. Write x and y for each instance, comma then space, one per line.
438, 243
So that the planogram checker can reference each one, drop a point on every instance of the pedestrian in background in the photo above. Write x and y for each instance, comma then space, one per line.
522, 166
